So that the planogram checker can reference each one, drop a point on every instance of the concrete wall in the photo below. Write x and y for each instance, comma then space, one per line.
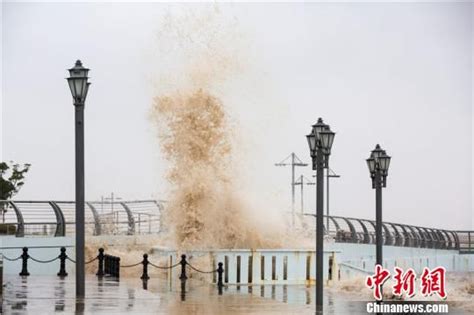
357, 259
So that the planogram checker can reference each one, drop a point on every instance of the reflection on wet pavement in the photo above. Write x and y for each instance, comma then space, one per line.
47, 294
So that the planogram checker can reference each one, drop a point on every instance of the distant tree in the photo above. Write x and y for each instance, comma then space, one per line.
11, 180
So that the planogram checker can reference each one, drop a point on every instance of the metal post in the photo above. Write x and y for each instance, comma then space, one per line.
24, 262
295, 161
62, 263
112, 198
220, 272
139, 224
378, 218
80, 266
145, 268
183, 290
292, 189
100, 257
319, 230
327, 200
302, 205
328, 176
183, 268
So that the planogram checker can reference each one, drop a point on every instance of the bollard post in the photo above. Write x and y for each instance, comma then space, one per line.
117, 273
100, 257
24, 264
62, 263
145, 267
183, 268
183, 290
220, 272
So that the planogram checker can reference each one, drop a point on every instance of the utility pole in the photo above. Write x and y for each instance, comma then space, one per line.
301, 182
293, 161
329, 174
112, 199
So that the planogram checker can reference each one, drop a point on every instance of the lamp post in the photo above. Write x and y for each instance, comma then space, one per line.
378, 164
320, 142
79, 87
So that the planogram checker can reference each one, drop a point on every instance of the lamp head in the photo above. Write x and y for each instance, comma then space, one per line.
78, 83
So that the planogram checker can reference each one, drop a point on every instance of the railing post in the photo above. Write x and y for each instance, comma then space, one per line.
24, 264
183, 268
145, 268
100, 257
220, 272
62, 263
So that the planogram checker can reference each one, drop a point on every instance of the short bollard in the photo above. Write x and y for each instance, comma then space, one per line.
183, 268
220, 271
62, 263
145, 267
183, 290
24, 264
100, 257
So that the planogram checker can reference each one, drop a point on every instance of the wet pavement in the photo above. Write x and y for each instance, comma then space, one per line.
48, 295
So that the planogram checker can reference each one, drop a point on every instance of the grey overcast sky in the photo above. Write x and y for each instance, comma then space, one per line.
398, 74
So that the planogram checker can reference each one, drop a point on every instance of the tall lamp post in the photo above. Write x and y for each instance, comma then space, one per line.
378, 164
320, 142
79, 87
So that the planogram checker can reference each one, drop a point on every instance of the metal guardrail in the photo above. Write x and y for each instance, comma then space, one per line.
56, 218
466, 242
356, 230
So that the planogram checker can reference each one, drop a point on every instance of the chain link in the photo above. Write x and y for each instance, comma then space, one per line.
167, 267
43, 261
71, 260
212, 271
128, 266
11, 259
92, 260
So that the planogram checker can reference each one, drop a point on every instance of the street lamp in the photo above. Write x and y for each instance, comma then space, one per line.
378, 164
79, 87
320, 142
